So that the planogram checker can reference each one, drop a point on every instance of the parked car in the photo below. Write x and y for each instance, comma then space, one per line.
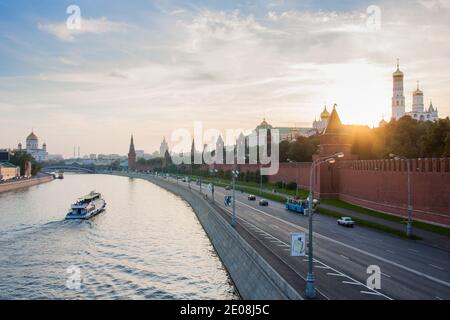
263, 203
346, 222
251, 197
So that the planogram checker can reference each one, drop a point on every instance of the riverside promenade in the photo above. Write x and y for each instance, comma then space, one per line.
25, 183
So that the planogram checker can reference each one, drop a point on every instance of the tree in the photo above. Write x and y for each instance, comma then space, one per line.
19, 158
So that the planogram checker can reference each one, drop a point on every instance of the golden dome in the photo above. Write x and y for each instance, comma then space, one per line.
418, 92
397, 72
32, 136
325, 114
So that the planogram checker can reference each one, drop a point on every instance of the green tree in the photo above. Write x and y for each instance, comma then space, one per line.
19, 158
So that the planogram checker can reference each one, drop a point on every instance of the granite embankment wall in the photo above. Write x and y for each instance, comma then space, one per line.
253, 277
10, 186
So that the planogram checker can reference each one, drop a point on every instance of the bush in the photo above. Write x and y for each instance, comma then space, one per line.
279, 184
291, 186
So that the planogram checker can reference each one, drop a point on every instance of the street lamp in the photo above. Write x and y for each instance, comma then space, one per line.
410, 208
296, 178
310, 278
235, 174
213, 172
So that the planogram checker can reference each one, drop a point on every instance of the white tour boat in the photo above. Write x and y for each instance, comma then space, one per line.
86, 207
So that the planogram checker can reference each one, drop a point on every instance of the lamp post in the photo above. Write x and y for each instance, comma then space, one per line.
296, 178
310, 278
214, 172
410, 208
235, 174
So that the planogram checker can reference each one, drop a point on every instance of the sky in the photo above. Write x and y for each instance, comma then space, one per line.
150, 67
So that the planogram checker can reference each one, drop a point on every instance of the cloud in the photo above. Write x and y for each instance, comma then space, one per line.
88, 26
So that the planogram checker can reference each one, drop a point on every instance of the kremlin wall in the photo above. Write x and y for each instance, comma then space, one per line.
375, 184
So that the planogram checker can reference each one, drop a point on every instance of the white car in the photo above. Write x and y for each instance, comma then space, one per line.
346, 222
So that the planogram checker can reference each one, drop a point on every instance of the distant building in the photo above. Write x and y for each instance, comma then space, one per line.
320, 126
163, 148
8, 171
140, 154
32, 148
418, 111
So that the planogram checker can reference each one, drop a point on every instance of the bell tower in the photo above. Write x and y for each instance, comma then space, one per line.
132, 156
398, 97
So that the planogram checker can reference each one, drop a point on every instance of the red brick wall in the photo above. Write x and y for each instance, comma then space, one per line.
382, 185
377, 184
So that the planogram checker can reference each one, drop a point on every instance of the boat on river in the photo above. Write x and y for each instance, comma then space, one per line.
86, 207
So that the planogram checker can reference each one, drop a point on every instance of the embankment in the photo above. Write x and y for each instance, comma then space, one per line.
253, 277
10, 186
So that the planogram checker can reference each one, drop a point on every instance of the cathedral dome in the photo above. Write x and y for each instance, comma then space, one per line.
32, 136
264, 125
325, 114
397, 72
418, 92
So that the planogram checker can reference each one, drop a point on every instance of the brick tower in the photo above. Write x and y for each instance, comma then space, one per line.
132, 156
334, 139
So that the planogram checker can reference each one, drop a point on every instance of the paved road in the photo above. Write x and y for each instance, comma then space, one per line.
410, 270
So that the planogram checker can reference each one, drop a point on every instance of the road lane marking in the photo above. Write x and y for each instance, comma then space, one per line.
386, 275
314, 260
390, 251
321, 267
439, 298
344, 257
437, 267
353, 283
413, 250
336, 274
375, 293
318, 235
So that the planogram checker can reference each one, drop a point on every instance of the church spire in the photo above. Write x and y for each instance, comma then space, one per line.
132, 151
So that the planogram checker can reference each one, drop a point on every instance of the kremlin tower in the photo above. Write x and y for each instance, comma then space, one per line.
132, 156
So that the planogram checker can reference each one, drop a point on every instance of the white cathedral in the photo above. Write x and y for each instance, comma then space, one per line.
418, 112
32, 147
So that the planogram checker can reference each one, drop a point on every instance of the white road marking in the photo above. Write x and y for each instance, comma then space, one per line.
336, 274
353, 283
375, 293
344, 257
413, 250
437, 267
318, 235
439, 298
386, 275
297, 227
390, 251
321, 267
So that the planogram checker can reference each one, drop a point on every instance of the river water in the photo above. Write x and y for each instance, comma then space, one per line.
148, 244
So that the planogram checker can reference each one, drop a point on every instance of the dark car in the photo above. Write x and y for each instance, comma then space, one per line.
251, 197
263, 203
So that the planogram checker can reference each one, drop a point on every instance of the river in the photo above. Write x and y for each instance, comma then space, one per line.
148, 244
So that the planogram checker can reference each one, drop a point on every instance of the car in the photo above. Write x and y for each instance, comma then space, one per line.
227, 188
263, 203
346, 222
251, 197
